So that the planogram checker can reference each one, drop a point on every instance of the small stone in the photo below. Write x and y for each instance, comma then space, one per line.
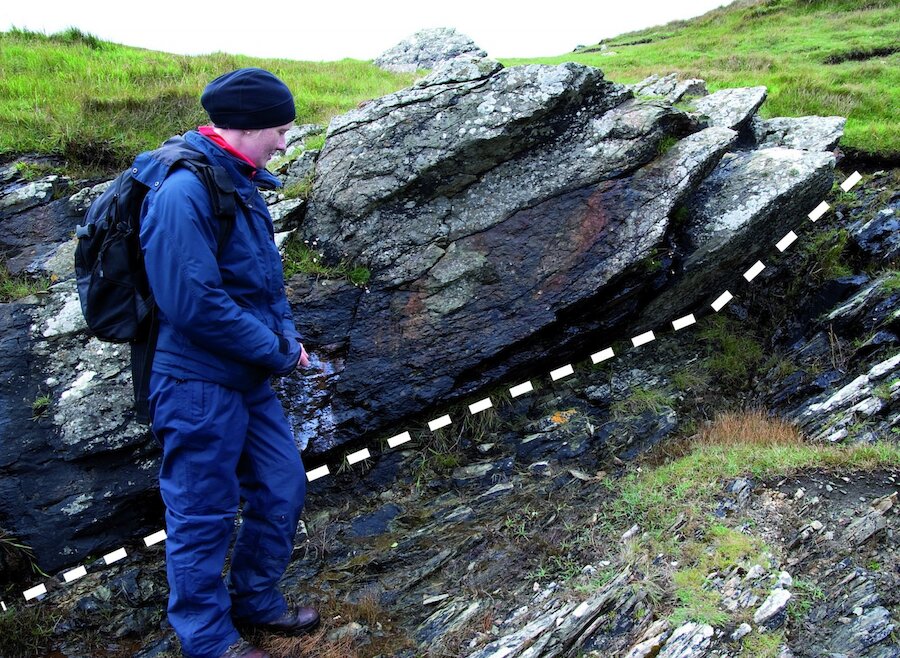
816, 525
631, 532
784, 580
799, 493
771, 613
740, 632
756, 571
858, 611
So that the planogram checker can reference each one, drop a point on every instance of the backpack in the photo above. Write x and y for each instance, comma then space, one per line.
115, 296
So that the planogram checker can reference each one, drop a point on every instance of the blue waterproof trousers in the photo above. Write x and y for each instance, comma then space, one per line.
221, 445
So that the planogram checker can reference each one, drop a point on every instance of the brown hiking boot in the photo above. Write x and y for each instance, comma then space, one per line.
243, 649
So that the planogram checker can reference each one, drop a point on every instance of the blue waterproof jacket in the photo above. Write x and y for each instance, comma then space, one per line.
223, 314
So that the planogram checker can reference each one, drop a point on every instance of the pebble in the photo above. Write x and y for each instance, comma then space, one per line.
741, 631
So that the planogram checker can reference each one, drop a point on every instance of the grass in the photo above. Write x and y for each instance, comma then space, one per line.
27, 631
683, 493
13, 287
98, 104
734, 353
803, 51
301, 256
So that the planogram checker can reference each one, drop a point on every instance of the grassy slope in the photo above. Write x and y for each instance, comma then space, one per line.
785, 45
98, 103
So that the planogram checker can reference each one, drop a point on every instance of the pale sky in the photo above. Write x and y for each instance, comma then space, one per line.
326, 31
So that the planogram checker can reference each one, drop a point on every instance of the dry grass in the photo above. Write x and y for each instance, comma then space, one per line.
753, 427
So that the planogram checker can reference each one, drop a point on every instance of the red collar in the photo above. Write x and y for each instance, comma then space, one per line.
207, 131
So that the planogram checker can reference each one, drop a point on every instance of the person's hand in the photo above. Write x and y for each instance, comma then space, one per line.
304, 358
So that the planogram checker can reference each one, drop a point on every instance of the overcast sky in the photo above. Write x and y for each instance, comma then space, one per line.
325, 31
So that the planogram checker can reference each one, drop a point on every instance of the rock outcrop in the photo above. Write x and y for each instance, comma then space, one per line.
509, 218
428, 49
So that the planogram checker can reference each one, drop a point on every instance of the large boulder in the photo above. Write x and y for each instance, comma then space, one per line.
428, 49
507, 217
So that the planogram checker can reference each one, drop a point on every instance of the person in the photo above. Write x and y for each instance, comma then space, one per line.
225, 328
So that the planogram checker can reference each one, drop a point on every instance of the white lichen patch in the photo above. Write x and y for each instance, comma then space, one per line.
76, 390
81, 503
68, 320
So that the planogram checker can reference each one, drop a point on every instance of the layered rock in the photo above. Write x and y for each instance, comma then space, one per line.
507, 217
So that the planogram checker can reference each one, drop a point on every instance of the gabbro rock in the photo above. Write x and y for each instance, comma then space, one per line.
507, 215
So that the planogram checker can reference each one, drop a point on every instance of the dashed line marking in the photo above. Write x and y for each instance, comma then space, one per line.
602, 355
155, 538
115, 556
753, 271
681, 323
521, 389
481, 405
358, 456
818, 211
34, 592
721, 300
3, 605
643, 339
786, 241
74, 574
317, 473
559, 373
438, 423
400, 439
851, 181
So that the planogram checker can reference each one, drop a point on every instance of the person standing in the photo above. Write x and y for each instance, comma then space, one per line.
225, 329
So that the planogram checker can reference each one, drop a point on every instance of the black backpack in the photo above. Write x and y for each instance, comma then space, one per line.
115, 295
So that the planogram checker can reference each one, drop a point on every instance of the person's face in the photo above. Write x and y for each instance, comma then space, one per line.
260, 145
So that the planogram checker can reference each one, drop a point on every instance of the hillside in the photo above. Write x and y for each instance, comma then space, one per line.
97, 103
815, 57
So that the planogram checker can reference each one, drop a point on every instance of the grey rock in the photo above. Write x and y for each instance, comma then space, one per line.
670, 87
27, 196
879, 236
731, 108
427, 49
806, 133
862, 635
688, 641
771, 613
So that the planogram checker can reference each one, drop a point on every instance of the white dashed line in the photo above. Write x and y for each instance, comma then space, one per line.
115, 556
400, 439
74, 574
34, 592
481, 405
155, 538
317, 473
642, 339
681, 323
521, 389
559, 373
721, 300
753, 271
358, 456
818, 211
851, 181
438, 423
3, 605
786, 241
603, 355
